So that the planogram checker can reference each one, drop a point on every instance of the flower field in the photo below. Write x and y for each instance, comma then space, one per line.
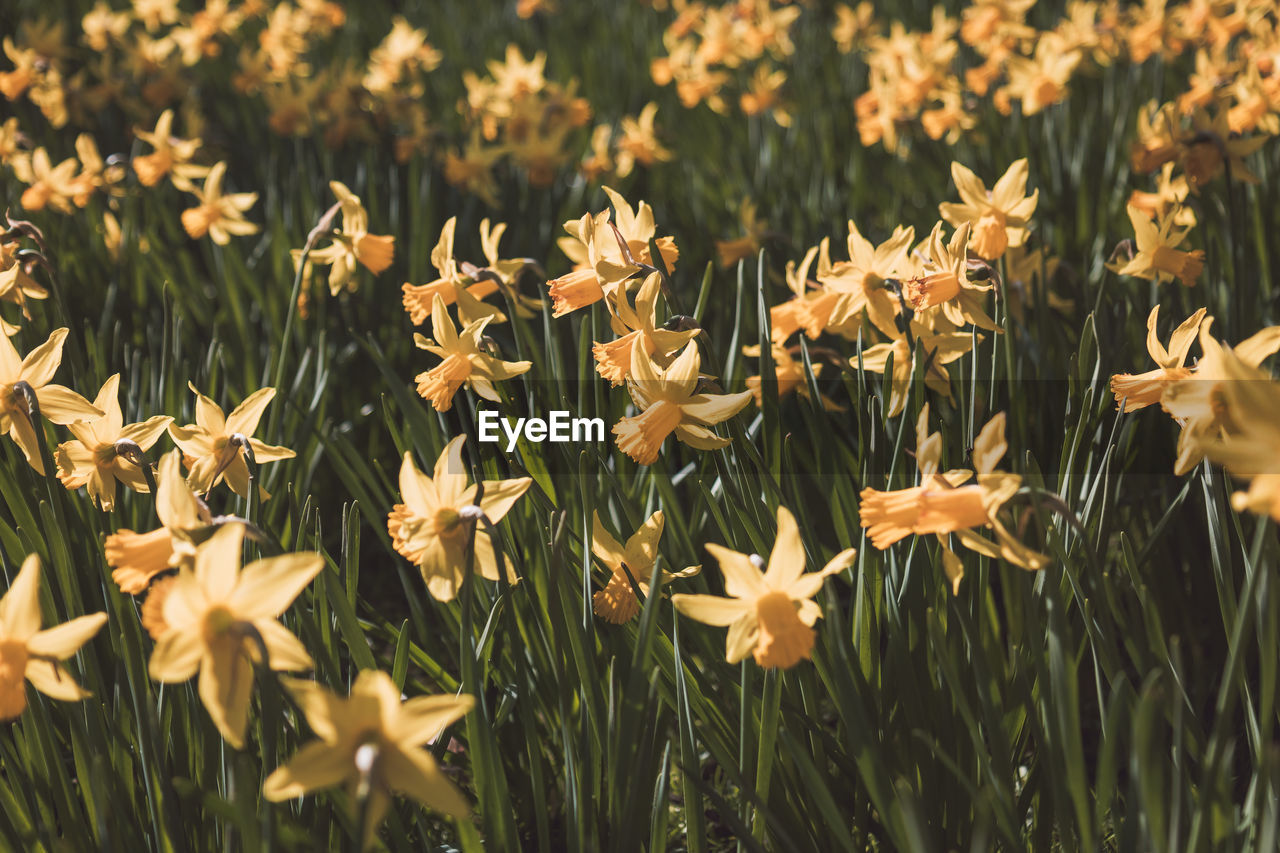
656, 425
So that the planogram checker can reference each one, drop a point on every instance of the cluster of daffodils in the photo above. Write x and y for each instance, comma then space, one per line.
713, 50
910, 306
514, 111
74, 181
211, 618
1227, 406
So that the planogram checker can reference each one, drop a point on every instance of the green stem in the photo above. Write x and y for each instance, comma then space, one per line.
769, 715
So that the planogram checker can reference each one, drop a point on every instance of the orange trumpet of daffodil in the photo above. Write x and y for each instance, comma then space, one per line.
770, 613
464, 363
1146, 389
669, 404
432, 527
29, 654
219, 619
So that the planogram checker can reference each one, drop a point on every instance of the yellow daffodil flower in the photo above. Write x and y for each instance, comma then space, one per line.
218, 215
1195, 402
668, 404
216, 614
1146, 389
352, 244
940, 504
848, 288
371, 741
999, 218
613, 360
938, 350
600, 267
60, 405
97, 459
770, 613
1156, 257
451, 285
172, 156
29, 654
431, 527
464, 363
617, 602
213, 446
1251, 449
944, 282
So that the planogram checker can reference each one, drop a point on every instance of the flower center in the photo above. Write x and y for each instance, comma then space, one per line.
448, 523
641, 436
217, 622
784, 639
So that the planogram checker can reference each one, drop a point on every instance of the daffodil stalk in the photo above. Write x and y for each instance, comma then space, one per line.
30, 407
129, 449
322, 228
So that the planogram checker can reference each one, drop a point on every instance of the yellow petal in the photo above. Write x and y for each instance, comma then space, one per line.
218, 563
176, 656
786, 561
54, 681
285, 652
65, 640
414, 772
267, 587
209, 414
741, 578
226, 684
315, 766
42, 362
20, 607
64, 406
244, 418
423, 718
711, 609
